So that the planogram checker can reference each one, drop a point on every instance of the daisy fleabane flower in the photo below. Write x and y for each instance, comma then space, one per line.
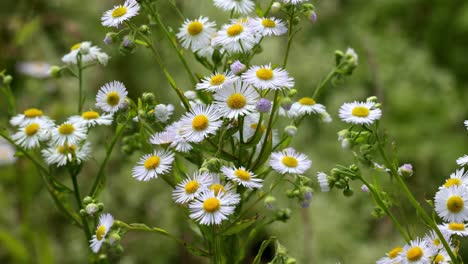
268, 26
458, 178
237, 100
191, 188
63, 154
111, 97
242, 177
152, 165
210, 208
7, 152
68, 132
238, 6
359, 113
294, 2
454, 228
434, 242
289, 161
120, 13
196, 34
88, 53
217, 81
235, 37
441, 257
307, 106
391, 256
451, 204
417, 252
105, 223
463, 161
200, 122
31, 134
265, 77
28, 116
92, 118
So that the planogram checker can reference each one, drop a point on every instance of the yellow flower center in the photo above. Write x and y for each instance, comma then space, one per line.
211, 205
360, 111
100, 231
31, 129
32, 112
456, 226
289, 161
394, 252
200, 122
113, 98
436, 242
66, 129
452, 181
307, 101
255, 125
264, 74
268, 23
66, 149
217, 188
242, 174
439, 258
191, 186
194, 28
119, 11
152, 162
455, 204
90, 115
76, 46
236, 101
217, 79
235, 30
414, 253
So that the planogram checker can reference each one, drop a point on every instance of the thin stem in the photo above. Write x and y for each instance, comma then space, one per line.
80, 82
76, 191
323, 83
216, 249
26, 154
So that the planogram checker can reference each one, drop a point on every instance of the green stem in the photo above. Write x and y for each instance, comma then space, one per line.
216, 249
76, 191
25, 153
323, 83
100, 178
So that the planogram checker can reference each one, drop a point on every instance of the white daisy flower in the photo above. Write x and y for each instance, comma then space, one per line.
28, 116
88, 53
152, 165
196, 34
307, 106
30, 135
210, 208
64, 154
289, 161
35, 69
243, 177
459, 229
458, 178
92, 118
105, 223
451, 204
251, 125
228, 189
463, 161
7, 152
359, 113
268, 26
237, 100
417, 252
191, 188
68, 132
441, 257
466, 124
291, 113
264, 77
235, 38
323, 181
238, 6
434, 242
391, 257
162, 138
200, 122
111, 97
120, 13
163, 112
217, 81
180, 143
294, 2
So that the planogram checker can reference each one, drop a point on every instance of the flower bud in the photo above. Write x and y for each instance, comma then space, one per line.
91, 209
296, 20
313, 17
237, 67
348, 192
190, 95
270, 202
291, 261
406, 170
275, 8
144, 29
114, 238
351, 56
55, 71
109, 38
290, 131
292, 92
7, 79
372, 99
283, 214
263, 105
148, 98
286, 103
364, 188
213, 165
87, 200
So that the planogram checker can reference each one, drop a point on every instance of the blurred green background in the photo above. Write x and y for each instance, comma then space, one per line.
412, 55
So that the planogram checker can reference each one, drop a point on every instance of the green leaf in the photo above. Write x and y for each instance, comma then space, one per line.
264, 245
239, 226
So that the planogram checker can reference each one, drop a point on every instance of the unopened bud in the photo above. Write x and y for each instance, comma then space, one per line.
263, 105
286, 103
148, 98
406, 170
292, 92
7, 79
91, 209
290, 131
144, 29
87, 200
270, 202
275, 7
372, 99
313, 17
55, 71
